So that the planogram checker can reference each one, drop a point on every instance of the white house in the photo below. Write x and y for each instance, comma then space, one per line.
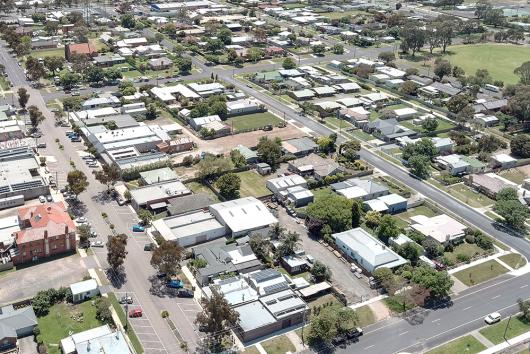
84, 290
441, 228
366, 250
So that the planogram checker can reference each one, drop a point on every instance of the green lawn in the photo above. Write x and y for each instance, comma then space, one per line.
64, 319
419, 210
251, 350
365, 315
253, 184
197, 187
495, 332
278, 345
467, 344
514, 260
468, 196
395, 304
480, 273
500, 60
253, 121
468, 249
321, 192
59, 52
4, 83
515, 175
338, 123
361, 135
442, 125
338, 14
328, 300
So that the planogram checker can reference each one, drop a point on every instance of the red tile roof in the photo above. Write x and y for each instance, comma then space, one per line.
50, 217
81, 48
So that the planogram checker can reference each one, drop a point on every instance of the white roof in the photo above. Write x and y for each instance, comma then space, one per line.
442, 228
352, 192
350, 101
405, 111
368, 248
68, 343
214, 86
243, 214
83, 286
203, 120
349, 86
504, 158
285, 182
391, 199
376, 96
376, 205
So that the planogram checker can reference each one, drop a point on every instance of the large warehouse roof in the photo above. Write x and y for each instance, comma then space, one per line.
243, 214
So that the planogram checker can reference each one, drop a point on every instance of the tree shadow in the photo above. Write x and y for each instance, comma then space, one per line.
102, 198
117, 277
77, 208
159, 288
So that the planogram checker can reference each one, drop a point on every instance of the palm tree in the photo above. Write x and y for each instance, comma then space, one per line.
276, 231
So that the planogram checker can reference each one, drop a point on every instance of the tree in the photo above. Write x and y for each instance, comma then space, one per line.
225, 35
102, 310
432, 248
34, 69
494, 17
482, 7
261, 247
326, 144
458, 72
108, 175
94, 74
289, 242
255, 54
229, 185
113, 74
71, 104
322, 329
523, 72
69, 79
166, 257
372, 219
409, 88
420, 166
184, 65
519, 103
350, 149
237, 158
151, 112
145, 216
23, 97
333, 210
77, 181
439, 283
288, 63
524, 308
211, 166
430, 124
219, 108
231, 55
443, 68
318, 49
412, 37
53, 64
513, 212
35, 117
424, 147
338, 49
216, 316
269, 151
128, 21
116, 251
320, 272
84, 233
520, 146
384, 276
387, 229
411, 251
387, 56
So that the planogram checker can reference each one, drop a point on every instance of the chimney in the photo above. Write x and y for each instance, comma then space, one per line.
66, 229
45, 234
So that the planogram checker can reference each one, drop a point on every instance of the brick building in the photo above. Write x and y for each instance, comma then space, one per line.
79, 48
46, 230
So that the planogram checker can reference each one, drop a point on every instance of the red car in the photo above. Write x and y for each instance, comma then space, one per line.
135, 312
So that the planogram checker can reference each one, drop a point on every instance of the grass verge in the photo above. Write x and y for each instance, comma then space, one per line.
495, 333
467, 344
480, 273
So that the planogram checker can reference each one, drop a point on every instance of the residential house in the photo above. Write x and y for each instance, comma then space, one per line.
299, 196
405, 113
301, 95
459, 165
197, 123
488, 184
279, 184
100, 340
160, 63
366, 250
299, 147
316, 166
251, 156
357, 188
46, 231
108, 60
390, 203
158, 176
502, 161
295, 263
387, 129
244, 106
14, 324
84, 290
486, 120
189, 203
490, 106
263, 168
79, 49
441, 228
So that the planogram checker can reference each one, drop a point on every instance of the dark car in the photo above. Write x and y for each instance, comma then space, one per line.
149, 246
185, 292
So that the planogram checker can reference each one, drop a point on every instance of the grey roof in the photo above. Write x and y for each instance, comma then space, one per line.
390, 128
121, 120
159, 175
12, 321
446, 88
247, 153
189, 203
253, 315
301, 144
369, 186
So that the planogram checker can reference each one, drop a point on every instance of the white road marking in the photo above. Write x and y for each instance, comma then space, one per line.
404, 333
436, 320
495, 297
467, 308
524, 286
370, 346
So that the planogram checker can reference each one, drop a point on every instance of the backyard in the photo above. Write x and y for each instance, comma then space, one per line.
253, 121
253, 184
480, 273
72, 319
467, 344
197, 187
516, 327
278, 345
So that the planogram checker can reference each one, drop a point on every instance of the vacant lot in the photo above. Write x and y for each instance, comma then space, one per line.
65, 319
468, 196
253, 184
467, 344
59, 52
278, 345
515, 175
516, 327
480, 273
253, 121
500, 60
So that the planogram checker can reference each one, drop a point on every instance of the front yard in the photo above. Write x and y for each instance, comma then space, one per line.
253, 121
278, 345
64, 319
480, 273
467, 250
467, 344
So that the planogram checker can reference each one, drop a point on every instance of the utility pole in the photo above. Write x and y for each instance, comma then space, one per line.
506, 329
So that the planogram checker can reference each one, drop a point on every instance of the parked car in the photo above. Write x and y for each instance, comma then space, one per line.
126, 300
81, 220
93, 234
149, 246
161, 275
175, 284
49, 197
98, 243
121, 201
138, 228
310, 258
88, 157
137, 312
41, 145
42, 199
185, 292
76, 140
492, 318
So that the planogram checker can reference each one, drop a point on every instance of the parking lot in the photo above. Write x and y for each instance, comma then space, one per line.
353, 287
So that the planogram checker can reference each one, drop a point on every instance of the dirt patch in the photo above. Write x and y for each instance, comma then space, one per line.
251, 139
380, 310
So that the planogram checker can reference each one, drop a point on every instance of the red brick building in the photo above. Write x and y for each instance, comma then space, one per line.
79, 48
46, 230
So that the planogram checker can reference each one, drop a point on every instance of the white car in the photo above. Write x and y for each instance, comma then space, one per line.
42, 199
492, 318
96, 244
81, 220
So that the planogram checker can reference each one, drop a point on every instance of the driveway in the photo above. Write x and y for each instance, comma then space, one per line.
26, 282
27, 345
342, 277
